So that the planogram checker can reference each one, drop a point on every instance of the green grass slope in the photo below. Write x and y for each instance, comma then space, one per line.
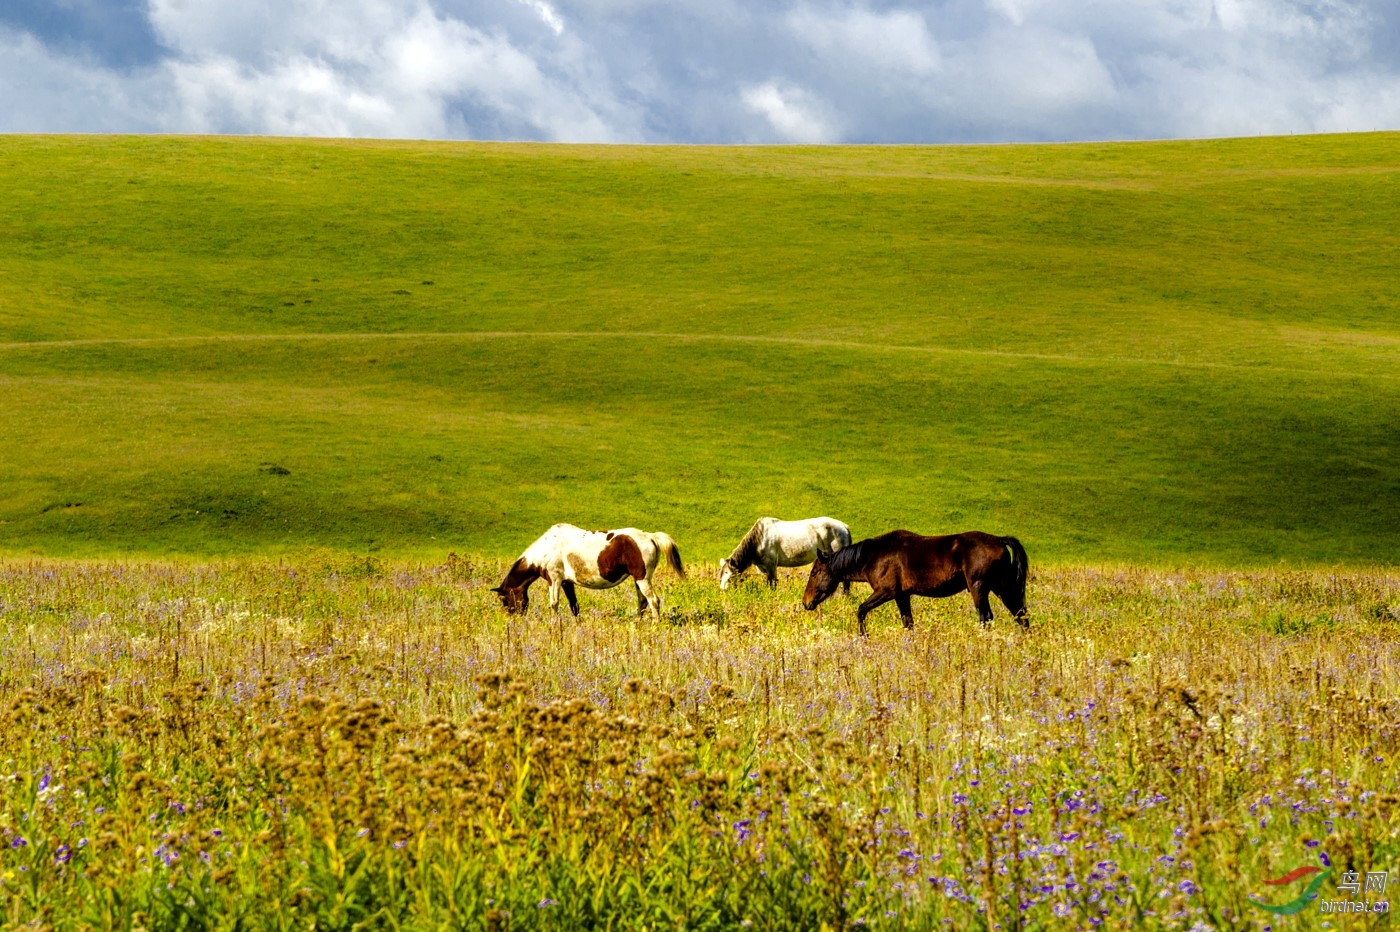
1169, 353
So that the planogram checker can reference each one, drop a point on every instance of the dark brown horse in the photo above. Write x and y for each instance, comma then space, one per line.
901, 564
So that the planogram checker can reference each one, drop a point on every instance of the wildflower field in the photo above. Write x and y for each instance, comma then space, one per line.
335, 742
228, 365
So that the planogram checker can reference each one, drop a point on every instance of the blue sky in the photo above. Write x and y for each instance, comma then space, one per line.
718, 71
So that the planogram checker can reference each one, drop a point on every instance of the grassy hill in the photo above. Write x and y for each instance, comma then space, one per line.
1166, 353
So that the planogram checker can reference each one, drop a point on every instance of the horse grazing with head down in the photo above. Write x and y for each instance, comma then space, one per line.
566, 556
901, 564
771, 543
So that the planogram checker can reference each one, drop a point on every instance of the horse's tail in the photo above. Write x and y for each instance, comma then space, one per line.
1020, 566
668, 547
840, 536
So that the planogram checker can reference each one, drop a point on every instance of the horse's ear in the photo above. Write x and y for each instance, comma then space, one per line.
821, 557
499, 590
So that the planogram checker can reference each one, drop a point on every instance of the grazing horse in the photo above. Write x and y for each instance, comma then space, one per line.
901, 564
771, 543
566, 555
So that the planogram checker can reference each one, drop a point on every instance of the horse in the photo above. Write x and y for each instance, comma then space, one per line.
772, 543
565, 556
901, 564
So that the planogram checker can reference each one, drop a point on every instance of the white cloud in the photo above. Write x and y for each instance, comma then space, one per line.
791, 112
1029, 75
708, 70
46, 91
852, 37
1012, 10
364, 68
298, 97
1327, 21
547, 15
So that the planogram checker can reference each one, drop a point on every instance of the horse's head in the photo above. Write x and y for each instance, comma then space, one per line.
515, 599
820, 585
726, 573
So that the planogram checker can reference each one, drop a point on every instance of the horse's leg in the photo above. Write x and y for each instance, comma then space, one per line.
772, 573
878, 598
845, 587
906, 611
554, 587
977, 588
647, 599
568, 586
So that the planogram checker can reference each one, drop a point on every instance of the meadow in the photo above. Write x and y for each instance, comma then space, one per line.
334, 742
1172, 354
275, 414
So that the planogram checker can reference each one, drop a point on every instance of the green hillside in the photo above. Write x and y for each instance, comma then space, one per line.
1167, 353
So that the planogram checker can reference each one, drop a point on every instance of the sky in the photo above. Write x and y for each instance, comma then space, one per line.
702, 71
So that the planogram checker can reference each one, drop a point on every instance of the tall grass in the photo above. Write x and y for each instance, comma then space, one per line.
343, 742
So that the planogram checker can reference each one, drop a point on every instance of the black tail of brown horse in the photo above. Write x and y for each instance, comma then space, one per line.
1015, 598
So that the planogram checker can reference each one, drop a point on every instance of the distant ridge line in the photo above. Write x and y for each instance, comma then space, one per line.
678, 338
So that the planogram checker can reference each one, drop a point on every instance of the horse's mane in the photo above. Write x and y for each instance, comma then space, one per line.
521, 572
746, 553
848, 560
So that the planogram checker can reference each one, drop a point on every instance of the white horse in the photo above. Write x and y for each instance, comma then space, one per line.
771, 543
566, 556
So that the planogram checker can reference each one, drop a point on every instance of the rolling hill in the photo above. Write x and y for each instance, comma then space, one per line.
1180, 353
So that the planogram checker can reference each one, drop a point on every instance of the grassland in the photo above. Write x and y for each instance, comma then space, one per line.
1169, 353
254, 392
336, 743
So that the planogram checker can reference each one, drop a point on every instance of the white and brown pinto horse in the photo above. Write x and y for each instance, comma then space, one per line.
566, 556
772, 543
